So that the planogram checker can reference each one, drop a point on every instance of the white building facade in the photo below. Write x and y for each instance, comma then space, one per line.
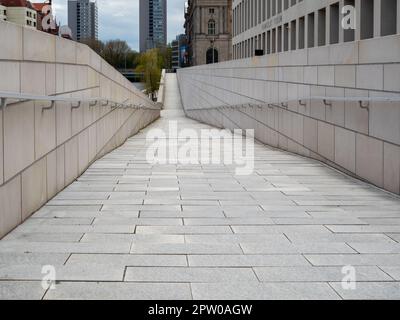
24, 16
3, 13
285, 25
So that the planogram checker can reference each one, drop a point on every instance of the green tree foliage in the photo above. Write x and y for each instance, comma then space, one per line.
150, 63
120, 56
166, 56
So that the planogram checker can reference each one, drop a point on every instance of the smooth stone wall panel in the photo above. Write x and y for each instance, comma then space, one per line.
43, 149
273, 94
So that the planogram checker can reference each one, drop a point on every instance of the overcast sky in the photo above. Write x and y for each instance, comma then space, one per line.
119, 19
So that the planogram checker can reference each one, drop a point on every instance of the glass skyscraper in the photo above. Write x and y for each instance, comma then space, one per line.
153, 24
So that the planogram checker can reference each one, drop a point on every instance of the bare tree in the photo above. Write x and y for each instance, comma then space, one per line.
96, 45
115, 52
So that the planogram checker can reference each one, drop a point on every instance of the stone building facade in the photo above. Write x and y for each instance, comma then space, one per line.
275, 26
208, 30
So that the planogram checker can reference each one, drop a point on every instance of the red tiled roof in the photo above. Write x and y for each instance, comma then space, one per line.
16, 3
39, 6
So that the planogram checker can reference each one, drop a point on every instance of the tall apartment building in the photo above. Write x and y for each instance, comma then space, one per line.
285, 25
208, 26
153, 24
83, 19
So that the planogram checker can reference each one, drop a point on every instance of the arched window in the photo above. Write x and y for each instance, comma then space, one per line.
212, 56
211, 27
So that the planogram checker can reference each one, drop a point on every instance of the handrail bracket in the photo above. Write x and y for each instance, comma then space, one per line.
364, 104
3, 103
76, 106
53, 103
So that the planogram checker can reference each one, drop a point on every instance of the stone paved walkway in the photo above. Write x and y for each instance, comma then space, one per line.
130, 230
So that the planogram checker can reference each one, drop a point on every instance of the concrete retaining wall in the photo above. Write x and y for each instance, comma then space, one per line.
43, 151
362, 141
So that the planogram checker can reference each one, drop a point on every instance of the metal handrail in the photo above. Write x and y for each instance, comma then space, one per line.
356, 99
75, 102
363, 101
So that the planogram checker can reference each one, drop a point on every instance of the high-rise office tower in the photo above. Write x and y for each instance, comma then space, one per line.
153, 24
83, 19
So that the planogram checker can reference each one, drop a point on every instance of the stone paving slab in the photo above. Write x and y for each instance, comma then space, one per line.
192, 275
75, 229
375, 247
303, 248
137, 221
186, 248
356, 214
266, 214
370, 291
381, 221
29, 258
354, 259
278, 260
227, 221
263, 291
275, 229
393, 272
317, 274
339, 237
133, 260
182, 214
129, 229
138, 238
119, 291
318, 221
394, 236
64, 247
86, 272
44, 237
60, 222
21, 290
364, 229
237, 238
78, 214
183, 229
